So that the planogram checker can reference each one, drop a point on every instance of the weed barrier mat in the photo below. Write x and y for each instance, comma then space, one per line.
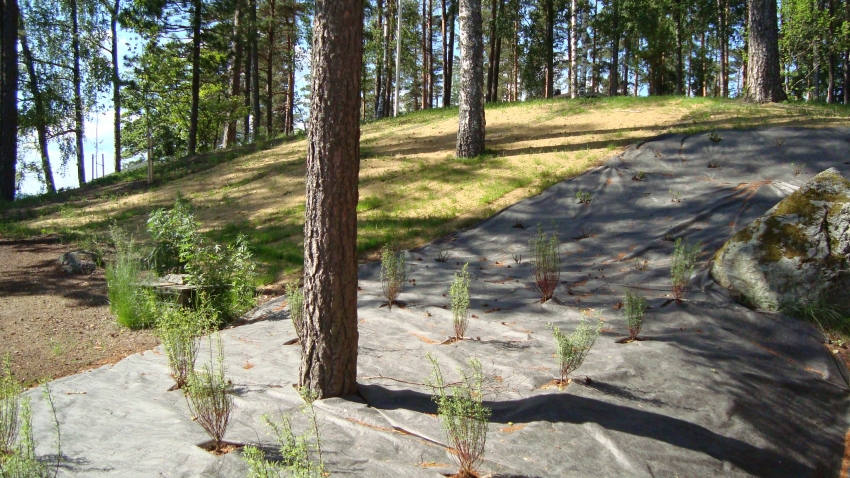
713, 389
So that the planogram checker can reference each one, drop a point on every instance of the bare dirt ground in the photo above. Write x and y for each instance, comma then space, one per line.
54, 324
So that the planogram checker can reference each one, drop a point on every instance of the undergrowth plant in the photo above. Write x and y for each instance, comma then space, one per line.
172, 231
295, 297
573, 348
584, 197
463, 416
126, 297
827, 316
10, 391
635, 306
682, 266
545, 248
300, 454
17, 456
180, 329
459, 293
209, 395
393, 272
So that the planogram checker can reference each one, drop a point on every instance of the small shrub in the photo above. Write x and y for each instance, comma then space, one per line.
584, 197
797, 168
459, 292
682, 266
210, 396
227, 273
675, 196
21, 462
442, 255
573, 348
545, 249
295, 297
714, 137
172, 232
10, 391
635, 306
300, 455
180, 330
463, 416
639, 176
393, 273
640, 264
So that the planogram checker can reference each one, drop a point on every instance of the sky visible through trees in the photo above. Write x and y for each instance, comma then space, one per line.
532, 49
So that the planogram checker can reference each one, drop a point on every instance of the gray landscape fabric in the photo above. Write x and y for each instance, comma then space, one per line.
715, 389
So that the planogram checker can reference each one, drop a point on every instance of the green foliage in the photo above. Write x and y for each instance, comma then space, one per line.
226, 273
10, 392
682, 265
134, 306
827, 316
209, 395
573, 348
180, 330
459, 292
639, 176
462, 414
295, 297
21, 462
393, 272
635, 306
300, 454
545, 248
173, 234
584, 197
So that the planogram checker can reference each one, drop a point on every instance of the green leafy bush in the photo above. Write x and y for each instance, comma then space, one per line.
573, 348
459, 292
180, 330
635, 306
227, 274
545, 249
172, 232
295, 297
209, 395
393, 272
300, 455
463, 415
682, 266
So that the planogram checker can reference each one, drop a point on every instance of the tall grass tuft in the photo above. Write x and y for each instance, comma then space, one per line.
635, 306
126, 300
459, 293
393, 273
295, 297
682, 266
545, 249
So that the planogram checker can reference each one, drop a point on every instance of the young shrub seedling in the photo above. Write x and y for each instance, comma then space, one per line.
584, 197
639, 176
675, 196
682, 266
463, 416
635, 306
180, 330
295, 297
573, 348
209, 395
442, 255
640, 264
459, 292
10, 392
295, 451
393, 273
714, 137
545, 249
797, 168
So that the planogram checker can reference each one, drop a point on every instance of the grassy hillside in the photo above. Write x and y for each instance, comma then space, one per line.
412, 189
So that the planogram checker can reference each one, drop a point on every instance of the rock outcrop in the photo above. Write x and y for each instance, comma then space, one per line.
796, 252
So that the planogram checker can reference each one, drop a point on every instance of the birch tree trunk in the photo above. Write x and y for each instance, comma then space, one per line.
329, 346
470, 134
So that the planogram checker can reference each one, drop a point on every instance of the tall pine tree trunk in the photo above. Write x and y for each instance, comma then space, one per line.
615, 50
379, 68
574, 49
444, 18
329, 345
253, 37
471, 122
116, 83
270, 71
550, 48
847, 57
487, 95
40, 113
235, 74
447, 98
680, 58
78, 95
290, 88
247, 120
8, 97
830, 41
424, 57
196, 75
764, 83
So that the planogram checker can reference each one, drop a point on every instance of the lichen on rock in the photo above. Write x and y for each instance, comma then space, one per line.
796, 252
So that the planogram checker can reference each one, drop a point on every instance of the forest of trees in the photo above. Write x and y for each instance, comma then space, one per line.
208, 74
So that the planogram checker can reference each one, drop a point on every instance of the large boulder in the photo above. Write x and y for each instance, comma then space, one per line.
795, 253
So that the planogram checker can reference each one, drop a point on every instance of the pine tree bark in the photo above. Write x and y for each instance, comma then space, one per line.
492, 43
270, 70
847, 57
40, 113
290, 88
471, 123
116, 83
550, 48
235, 74
424, 57
384, 28
9, 16
197, 10
247, 120
253, 37
444, 40
680, 57
78, 96
447, 94
615, 50
763, 81
329, 346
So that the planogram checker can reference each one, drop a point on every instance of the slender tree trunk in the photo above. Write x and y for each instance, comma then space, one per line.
253, 38
78, 96
637, 77
431, 75
615, 50
397, 59
444, 18
116, 83
680, 61
593, 67
235, 74
471, 123
830, 39
451, 64
765, 84
550, 49
379, 68
488, 94
247, 121
329, 346
626, 69
290, 88
745, 60
424, 57
196, 75
515, 85
847, 57
40, 113
9, 16
723, 41
269, 70
494, 94
574, 49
